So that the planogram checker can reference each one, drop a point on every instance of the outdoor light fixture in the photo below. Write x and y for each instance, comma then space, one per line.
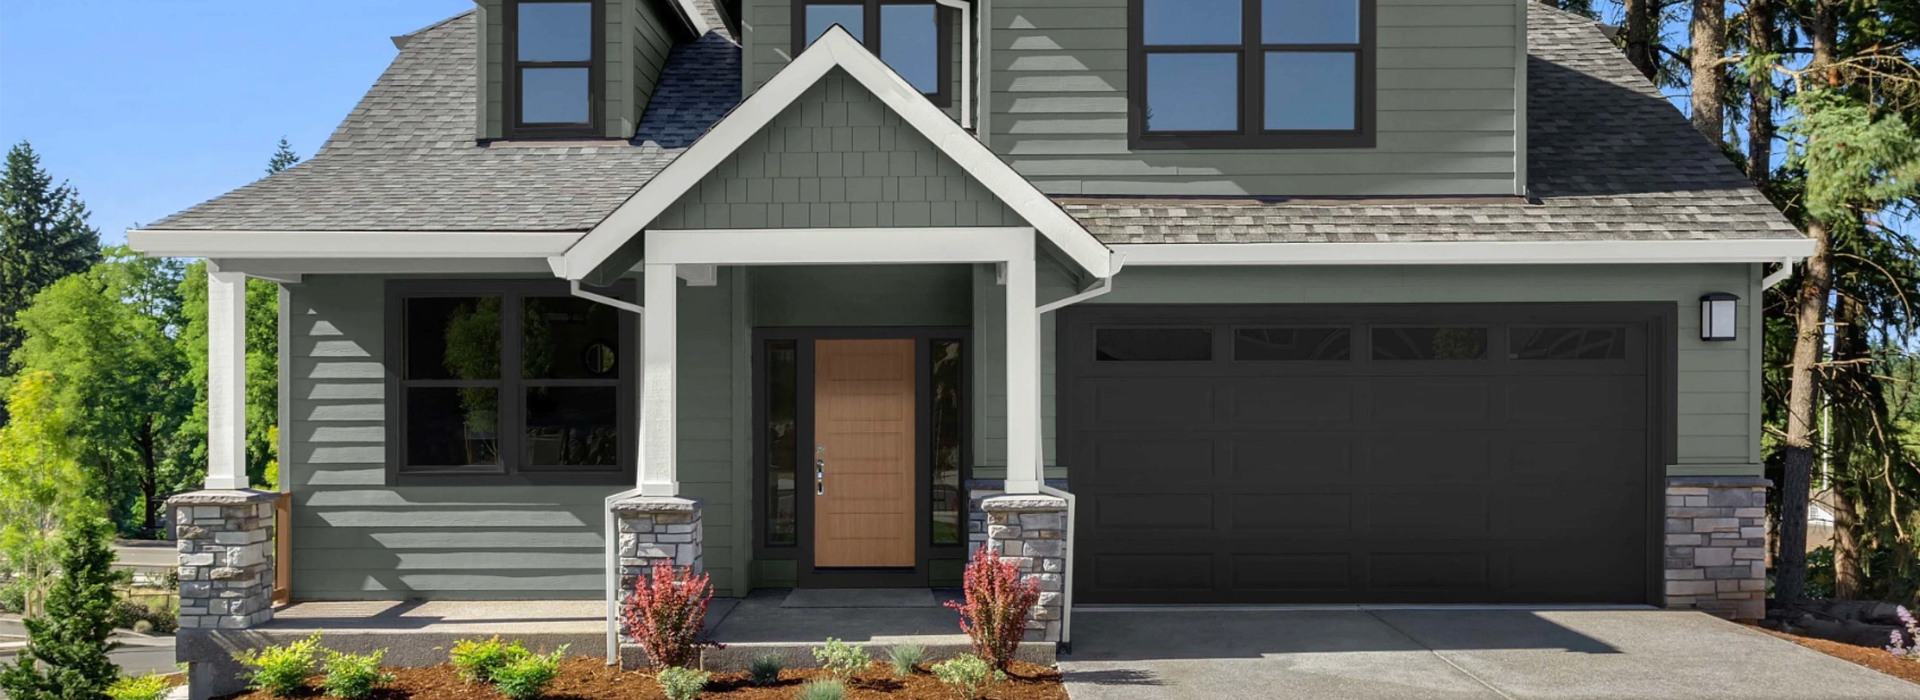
1717, 316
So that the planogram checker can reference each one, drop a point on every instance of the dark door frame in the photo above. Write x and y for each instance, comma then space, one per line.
805, 574
1662, 358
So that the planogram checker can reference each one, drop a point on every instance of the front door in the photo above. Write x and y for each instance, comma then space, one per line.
863, 477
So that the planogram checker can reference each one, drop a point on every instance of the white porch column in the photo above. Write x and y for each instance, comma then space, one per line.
659, 347
1023, 378
226, 380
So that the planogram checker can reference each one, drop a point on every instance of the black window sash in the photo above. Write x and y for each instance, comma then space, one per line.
870, 37
596, 75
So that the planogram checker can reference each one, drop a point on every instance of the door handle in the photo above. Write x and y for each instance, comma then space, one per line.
820, 477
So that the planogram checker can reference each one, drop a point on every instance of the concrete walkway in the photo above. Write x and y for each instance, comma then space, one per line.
1448, 654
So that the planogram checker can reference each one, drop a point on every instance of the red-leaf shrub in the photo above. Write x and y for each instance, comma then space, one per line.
998, 603
664, 615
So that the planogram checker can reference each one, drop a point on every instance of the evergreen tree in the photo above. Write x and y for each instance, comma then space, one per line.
66, 653
44, 236
283, 158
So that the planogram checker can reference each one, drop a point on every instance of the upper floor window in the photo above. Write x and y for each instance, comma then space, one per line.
554, 85
1251, 74
913, 37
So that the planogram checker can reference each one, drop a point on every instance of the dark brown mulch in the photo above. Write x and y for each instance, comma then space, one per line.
1876, 659
586, 678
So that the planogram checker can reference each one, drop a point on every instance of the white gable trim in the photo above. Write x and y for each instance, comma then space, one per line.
834, 49
1467, 252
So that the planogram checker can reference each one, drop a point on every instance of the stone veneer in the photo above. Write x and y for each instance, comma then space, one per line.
226, 558
654, 529
978, 491
1030, 531
1716, 545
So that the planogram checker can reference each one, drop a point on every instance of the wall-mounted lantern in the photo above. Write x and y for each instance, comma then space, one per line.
1717, 317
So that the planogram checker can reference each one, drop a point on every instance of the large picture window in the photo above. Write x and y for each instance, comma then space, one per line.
508, 382
913, 37
1251, 74
554, 79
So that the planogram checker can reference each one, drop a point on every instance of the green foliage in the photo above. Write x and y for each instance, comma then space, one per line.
44, 236
160, 616
682, 683
822, 689
281, 670
283, 157
841, 659
906, 658
42, 488
765, 669
477, 659
354, 676
148, 687
526, 678
968, 676
66, 653
1854, 161
263, 371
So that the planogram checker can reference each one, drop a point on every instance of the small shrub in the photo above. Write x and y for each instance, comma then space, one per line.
158, 619
526, 678
475, 660
841, 659
13, 596
282, 670
665, 613
822, 689
997, 605
1908, 648
906, 658
765, 669
148, 687
968, 676
354, 676
682, 683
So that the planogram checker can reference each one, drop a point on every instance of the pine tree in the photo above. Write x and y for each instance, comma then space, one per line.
66, 653
283, 157
44, 236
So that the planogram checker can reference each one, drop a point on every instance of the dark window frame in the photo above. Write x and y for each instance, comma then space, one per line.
512, 469
870, 37
1250, 132
596, 66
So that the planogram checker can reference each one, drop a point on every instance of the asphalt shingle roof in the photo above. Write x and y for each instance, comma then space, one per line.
1609, 159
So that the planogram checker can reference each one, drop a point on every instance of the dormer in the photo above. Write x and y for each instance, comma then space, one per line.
575, 69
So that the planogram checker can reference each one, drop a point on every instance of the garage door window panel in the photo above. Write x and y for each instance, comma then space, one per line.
1292, 344
1153, 344
1428, 343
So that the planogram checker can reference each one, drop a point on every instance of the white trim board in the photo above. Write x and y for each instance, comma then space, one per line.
351, 244
1466, 252
830, 246
834, 49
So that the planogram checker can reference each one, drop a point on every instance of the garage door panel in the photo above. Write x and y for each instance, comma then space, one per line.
1289, 458
1292, 399
1148, 461
1467, 400
1600, 402
1427, 515
1292, 514
1156, 514
1158, 573
1576, 572
1116, 402
1292, 573
1597, 458
1428, 458
1565, 512
1426, 572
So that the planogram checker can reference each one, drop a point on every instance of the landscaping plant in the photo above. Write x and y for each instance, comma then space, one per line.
906, 658
526, 678
66, 652
281, 670
996, 608
765, 669
665, 613
475, 660
968, 676
1908, 648
682, 683
354, 676
841, 659
822, 689
148, 687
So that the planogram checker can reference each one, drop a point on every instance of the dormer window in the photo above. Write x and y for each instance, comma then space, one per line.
1220, 74
554, 88
913, 37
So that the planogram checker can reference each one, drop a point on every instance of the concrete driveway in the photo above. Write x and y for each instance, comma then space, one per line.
1447, 654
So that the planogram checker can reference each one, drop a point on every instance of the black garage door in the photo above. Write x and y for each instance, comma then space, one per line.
1363, 454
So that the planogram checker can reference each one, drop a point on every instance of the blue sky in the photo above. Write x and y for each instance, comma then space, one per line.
150, 106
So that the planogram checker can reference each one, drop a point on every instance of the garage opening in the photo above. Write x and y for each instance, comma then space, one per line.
1498, 453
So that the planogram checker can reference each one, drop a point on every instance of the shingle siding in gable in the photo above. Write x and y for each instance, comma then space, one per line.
837, 158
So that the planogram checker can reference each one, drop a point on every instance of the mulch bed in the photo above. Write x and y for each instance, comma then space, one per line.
587, 678
1876, 659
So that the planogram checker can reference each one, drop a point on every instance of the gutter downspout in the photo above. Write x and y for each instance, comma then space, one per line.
1101, 287
966, 59
606, 508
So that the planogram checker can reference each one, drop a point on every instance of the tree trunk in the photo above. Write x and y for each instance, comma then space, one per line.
1639, 37
1760, 30
1849, 346
1790, 568
1709, 31
149, 479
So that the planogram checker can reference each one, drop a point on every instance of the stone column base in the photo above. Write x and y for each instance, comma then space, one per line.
1716, 545
654, 529
226, 574
1031, 531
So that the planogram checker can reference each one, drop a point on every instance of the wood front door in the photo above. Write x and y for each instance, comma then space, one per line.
864, 423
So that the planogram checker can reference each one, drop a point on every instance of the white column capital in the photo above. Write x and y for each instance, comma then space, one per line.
226, 380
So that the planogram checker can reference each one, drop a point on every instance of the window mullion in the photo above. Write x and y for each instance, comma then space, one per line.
512, 399
1252, 69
